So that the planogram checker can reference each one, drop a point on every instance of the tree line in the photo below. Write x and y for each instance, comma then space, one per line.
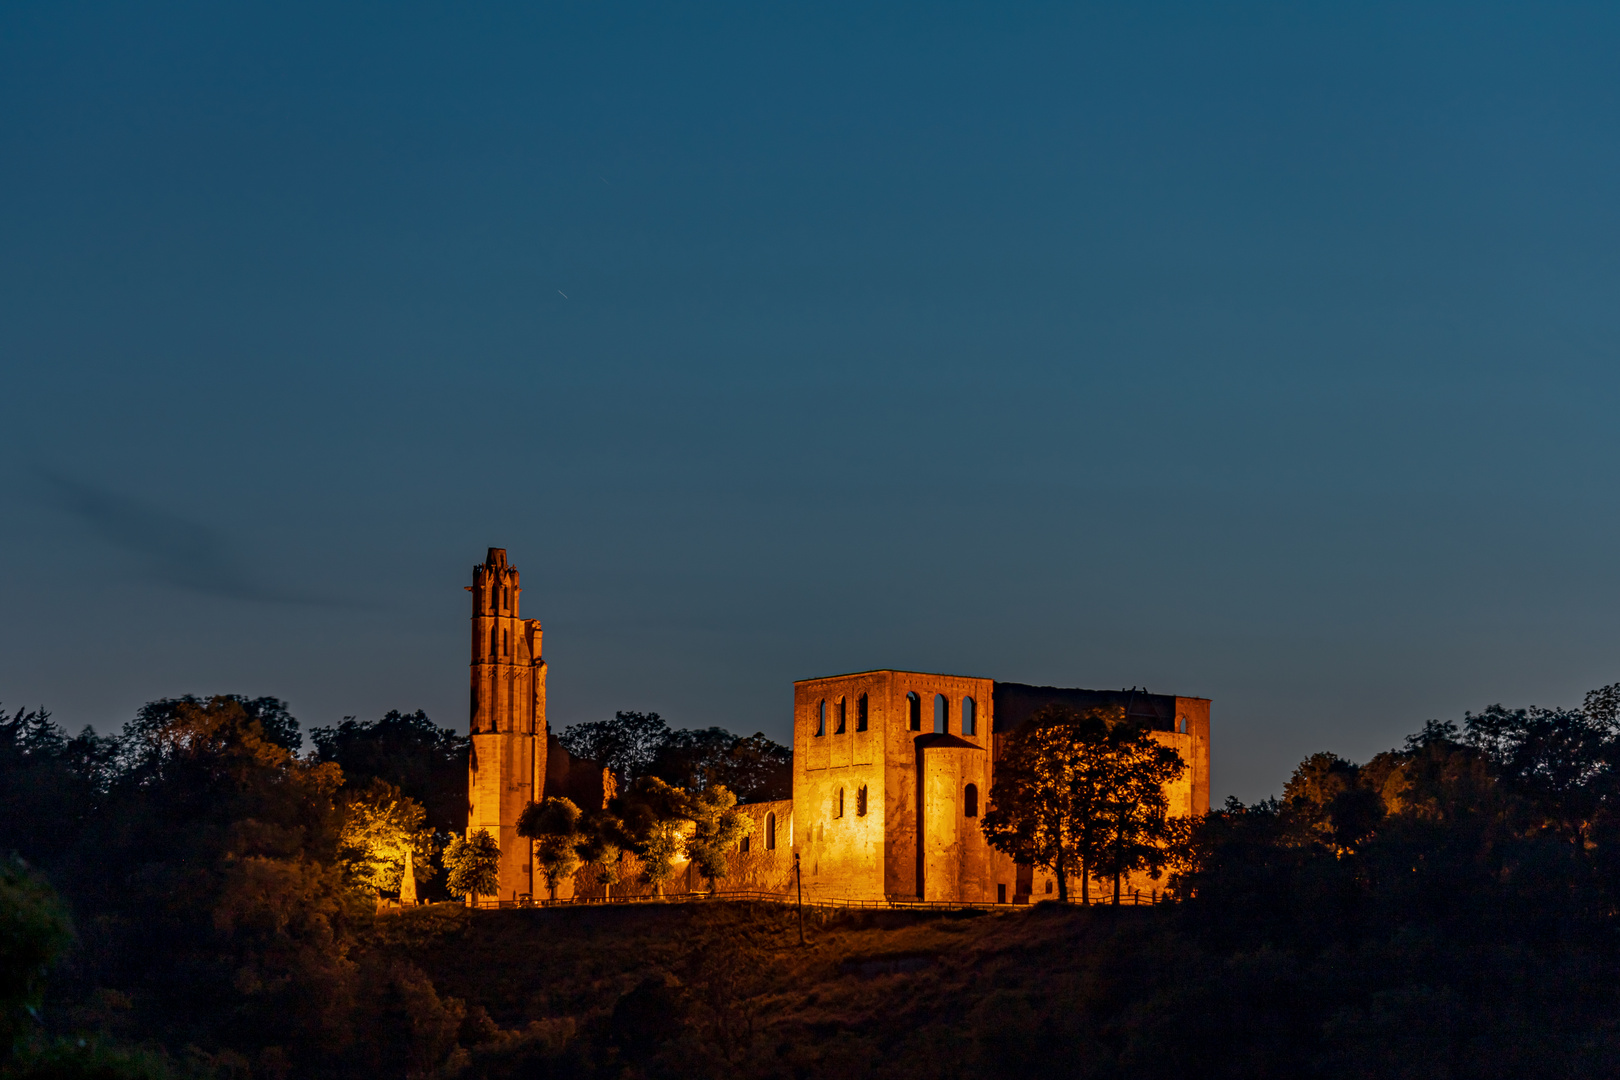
220, 885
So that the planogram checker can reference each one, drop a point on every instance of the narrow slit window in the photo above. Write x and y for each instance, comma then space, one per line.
861, 708
821, 719
838, 811
970, 801
770, 832
913, 711
742, 845
838, 717
860, 801
942, 714
970, 717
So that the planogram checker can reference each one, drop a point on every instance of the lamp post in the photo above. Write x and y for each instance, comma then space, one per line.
798, 875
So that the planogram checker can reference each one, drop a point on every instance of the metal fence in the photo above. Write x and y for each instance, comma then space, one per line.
1133, 898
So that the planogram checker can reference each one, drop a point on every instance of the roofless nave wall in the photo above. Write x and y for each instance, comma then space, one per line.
891, 769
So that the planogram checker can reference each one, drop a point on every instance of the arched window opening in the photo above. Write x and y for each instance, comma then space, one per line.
861, 708
494, 641
970, 717
970, 801
1181, 725
942, 714
821, 718
913, 711
838, 811
742, 845
506, 598
770, 832
506, 644
838, 716
860, 801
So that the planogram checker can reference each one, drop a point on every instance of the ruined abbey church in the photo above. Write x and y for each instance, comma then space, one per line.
891, 770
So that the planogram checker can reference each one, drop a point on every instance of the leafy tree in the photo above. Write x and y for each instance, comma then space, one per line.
34, 931
383, 834
627, 744
717, 826
654, 816
50, 783
408, 750
474, 864
1031, 816
753, 768
1136, 830
276, 724
1082, 793
557, 828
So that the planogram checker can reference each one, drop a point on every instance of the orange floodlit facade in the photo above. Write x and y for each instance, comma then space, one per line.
892, 771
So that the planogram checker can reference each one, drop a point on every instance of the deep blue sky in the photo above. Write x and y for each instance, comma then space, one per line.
1263, 352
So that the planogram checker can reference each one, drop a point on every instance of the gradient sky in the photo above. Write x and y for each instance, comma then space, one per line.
1258, 352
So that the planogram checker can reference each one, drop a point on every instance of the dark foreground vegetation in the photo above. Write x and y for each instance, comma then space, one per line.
1448, 909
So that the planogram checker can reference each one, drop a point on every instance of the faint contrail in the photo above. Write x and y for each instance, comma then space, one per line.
176, 550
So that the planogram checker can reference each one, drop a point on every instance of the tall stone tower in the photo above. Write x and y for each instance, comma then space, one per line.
508, 719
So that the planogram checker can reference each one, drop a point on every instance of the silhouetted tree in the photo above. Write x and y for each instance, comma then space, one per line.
627, 744
753, 768
275, 722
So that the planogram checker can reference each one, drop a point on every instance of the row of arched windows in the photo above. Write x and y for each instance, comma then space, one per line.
840, 716
942, 714
969, 713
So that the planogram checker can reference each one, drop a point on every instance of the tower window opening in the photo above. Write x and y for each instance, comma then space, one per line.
970, 801
838, 717
1181, 725
494, 642
506, 644
860, 801
506, 598
770, 832
742, 845
838, 811
821, 719
861, 709
942, 714
913, 711
970, 716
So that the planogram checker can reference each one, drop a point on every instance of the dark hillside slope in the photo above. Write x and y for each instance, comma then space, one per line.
726, 990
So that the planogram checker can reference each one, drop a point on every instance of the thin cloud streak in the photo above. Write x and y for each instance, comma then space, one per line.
174, 550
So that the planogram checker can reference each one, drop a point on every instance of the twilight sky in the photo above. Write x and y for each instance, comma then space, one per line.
1258, 352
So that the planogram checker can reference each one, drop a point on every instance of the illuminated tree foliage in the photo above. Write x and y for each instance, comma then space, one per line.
557, 828
383, 832
473, 863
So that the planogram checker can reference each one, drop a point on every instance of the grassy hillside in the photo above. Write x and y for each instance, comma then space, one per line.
726, 988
